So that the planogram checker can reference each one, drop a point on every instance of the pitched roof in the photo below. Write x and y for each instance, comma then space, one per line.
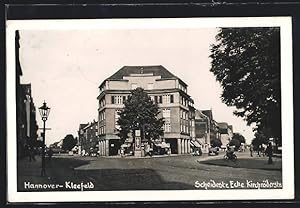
157, 70
208, 113
223, 125
81, 126
199, 114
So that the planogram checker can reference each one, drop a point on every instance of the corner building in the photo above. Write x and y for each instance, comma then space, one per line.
164, 88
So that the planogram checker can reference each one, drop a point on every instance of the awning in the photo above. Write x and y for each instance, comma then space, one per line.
126, 145
162, 145
195, 143
165, 145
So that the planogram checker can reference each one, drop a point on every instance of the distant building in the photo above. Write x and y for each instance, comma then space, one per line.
225, 133
207, 129
164, 88
88, 136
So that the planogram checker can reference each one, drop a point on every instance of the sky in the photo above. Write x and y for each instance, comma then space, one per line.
66, 67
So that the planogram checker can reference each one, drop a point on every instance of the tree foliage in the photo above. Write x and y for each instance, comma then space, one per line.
140, 112
236, 143
216, 143
237, 140
68, 142
259, 139
239, 137
246, 62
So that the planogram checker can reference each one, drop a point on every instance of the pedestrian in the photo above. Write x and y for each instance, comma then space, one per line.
269, 151
122, 151
50, 153
251, 150
31, 153
258, 150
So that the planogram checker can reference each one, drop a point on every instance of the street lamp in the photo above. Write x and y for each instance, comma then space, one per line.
44, 111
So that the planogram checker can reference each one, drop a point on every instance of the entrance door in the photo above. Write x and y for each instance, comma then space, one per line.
173, 145
114, 146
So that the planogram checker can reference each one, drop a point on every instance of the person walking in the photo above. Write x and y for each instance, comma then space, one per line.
50, 153
251, 150
258, 150
269, 151
31, 154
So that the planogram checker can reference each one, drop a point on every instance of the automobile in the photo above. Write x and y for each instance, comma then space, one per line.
213, 151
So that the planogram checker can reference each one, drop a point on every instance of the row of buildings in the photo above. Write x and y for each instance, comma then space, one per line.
184, 127
27, 127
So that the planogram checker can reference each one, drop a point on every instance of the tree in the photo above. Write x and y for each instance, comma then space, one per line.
216, 143
68, 142
259, 139
140, 112
235, 142
239, 137
246, 62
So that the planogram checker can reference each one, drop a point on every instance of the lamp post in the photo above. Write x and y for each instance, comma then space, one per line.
44, 111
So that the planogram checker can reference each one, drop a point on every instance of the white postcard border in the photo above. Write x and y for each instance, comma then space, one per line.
287, 192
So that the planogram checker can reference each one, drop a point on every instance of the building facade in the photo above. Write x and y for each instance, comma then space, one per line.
225, 133
26, 112
207, 129
88, 137
164, 88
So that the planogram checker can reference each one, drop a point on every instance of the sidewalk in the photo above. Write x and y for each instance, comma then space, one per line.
245, 161
30, 171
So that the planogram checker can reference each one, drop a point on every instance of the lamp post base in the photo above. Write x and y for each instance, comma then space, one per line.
43, 172
138, 153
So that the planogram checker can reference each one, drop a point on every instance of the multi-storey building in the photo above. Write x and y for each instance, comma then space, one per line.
164, 88
88, 136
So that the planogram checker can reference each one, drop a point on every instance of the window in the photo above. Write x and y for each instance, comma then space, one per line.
112, 99
160, 99
167, 127
102, 115
133, 86
117, 99
166, 113
124, 98
166, 98
150, 86
167, 119
117, 116
155, 99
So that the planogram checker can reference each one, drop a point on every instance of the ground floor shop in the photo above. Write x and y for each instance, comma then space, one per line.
111, 146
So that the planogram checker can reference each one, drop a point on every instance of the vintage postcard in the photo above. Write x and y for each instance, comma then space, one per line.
150, 109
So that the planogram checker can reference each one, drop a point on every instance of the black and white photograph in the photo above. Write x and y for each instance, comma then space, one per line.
150, 109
